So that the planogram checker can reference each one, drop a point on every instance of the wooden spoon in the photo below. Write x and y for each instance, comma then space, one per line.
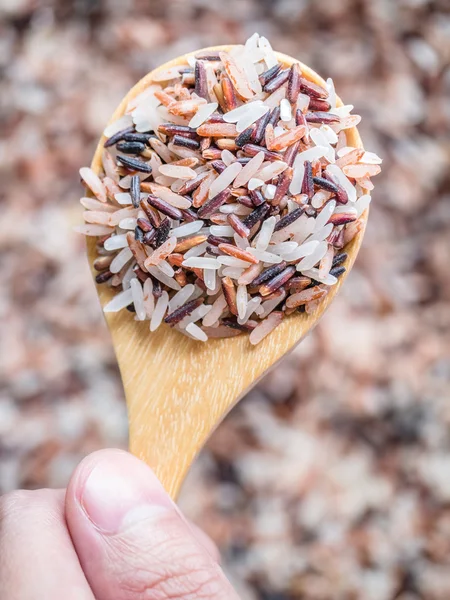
179, 390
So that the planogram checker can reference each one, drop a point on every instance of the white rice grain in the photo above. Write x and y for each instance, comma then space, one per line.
324, 215
241, 300
265, 327
93, 230
234, 115
285, 110
225, 179
120, 301
187, 229
362, 203
177, 172
314, 274
138, 299
322, 234
203, 114
249, 170
94, 183
160, 311
120, 260
160, 276
222, 230
301, 251
312, 259
196, 332
253, 113
209, 277
122, 123
181, 297
267, 257
295, 186
255, 183
218, 306
265, 233
231, 261
149, 299
200, 262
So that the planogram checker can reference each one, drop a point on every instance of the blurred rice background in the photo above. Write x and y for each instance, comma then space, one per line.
331, 480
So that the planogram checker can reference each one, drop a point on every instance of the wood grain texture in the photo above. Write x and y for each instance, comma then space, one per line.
178, 390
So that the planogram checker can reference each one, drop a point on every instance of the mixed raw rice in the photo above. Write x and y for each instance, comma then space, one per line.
228, 195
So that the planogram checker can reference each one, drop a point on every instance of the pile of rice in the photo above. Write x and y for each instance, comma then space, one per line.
228, 195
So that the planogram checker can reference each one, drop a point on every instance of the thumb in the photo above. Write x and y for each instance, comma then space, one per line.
131, 540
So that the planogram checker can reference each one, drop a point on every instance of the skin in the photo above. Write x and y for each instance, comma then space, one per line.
113, 534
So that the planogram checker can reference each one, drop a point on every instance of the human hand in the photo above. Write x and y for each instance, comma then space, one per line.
114, 534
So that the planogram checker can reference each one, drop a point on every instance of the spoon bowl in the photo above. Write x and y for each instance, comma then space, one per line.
178, 390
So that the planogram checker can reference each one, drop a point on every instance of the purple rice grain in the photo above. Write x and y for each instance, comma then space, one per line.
256, 197
318, 104
192, 185
293, 88
162, 233
201, 88
257, 215
284, 182
274, 116
152, 213
266, 76
260, 128
339, 259
134, 164
245, 136
243, 160
289, 218
215, 240
325, 184
140, 273
145, 225
213, 250
164, 207
135, 190
277, 81
308, 183
149, 237
104, 276
218, 165
118, 136
185, 142
337, 271
138, 234
171, 130
253, 149
233, 324
276, 282
291, 153
321, 117
245, 201
157, 288
138, 137
178, 314
341, 194
213, 56
312, 89
268, 274
189, 215
130, 147
212, 205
